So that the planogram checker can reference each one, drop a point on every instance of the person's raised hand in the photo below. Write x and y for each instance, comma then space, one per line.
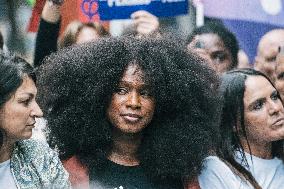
144, 22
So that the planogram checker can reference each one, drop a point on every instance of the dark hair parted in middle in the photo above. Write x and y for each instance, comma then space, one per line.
76, 86
233, 126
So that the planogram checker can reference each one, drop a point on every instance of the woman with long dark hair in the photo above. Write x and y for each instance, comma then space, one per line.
24, 163
252, 128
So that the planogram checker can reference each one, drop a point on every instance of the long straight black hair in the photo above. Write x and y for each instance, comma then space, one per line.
232, 89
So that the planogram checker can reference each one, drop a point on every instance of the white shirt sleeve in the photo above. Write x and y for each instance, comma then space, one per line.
217, 175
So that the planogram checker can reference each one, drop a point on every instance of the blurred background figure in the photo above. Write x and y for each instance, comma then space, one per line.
48, 33
267, 50
143, 23
20, 34
14, 17
216, 44
279, 71
243, 60
77, 32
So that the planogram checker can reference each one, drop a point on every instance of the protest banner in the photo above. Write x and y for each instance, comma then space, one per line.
81, 10
122, 9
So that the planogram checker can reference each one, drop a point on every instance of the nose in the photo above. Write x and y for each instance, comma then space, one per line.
133, 100
36, 111
275, 107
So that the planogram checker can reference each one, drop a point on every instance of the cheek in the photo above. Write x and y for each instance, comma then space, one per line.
17, 116
221, 68
149, 109
256, 125
113, 110
226, 63
14, 122
269, 67
255, 118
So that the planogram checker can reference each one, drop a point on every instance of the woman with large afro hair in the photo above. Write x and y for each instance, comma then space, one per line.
130, 113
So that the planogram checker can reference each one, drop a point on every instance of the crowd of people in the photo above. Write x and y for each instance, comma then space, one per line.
142, 111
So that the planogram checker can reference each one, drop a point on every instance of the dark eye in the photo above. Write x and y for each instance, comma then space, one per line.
275, 95
200, 45
258, 105
271, 59
219, 57
146, 93
280, 76
121, 90
26, 102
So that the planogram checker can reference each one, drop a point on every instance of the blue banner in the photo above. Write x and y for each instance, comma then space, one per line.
122, 9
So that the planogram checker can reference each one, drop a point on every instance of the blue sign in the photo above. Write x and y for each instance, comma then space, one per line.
122, 9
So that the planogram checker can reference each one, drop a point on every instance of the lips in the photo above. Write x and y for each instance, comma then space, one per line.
279, 122
132, 118
31, 125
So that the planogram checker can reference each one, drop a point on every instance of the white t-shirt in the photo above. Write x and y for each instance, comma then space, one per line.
6, 177
217, 175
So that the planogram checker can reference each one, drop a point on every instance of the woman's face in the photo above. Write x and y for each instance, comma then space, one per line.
18, 114
132, 106
263, 111
212, 48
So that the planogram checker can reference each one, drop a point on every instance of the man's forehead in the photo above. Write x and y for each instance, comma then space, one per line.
270, 49
271, 40
273, 51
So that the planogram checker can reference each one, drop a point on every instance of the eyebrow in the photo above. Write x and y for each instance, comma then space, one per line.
270, 58
128, 83
28, 94
220, 51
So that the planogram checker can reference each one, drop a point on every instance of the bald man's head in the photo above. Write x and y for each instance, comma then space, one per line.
267, 51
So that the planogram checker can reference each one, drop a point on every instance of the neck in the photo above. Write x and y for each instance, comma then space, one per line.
261, 150
124, 148
6, 150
